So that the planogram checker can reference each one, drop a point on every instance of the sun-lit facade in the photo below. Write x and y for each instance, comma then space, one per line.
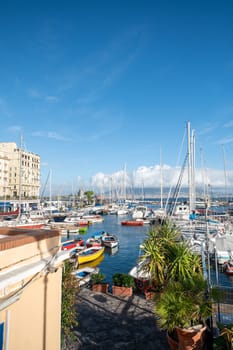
30, 289
19, 172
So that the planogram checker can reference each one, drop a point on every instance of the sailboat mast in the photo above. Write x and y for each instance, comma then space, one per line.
193, 171
20, 174
191, 166
50, 191
225, 172
161, 180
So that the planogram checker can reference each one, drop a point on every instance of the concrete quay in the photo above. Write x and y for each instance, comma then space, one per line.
109, 322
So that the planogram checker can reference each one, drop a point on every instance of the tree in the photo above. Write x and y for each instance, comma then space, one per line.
89, 195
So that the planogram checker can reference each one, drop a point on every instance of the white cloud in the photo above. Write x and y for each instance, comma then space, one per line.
33, 93
225, 140
49, 134
152, 177
15, 129
36, 94
51, 98
228, 124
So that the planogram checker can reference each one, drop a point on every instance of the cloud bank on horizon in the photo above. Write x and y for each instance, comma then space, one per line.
207, 181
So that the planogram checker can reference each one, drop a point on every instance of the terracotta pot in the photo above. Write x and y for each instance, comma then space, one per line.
122, 291
151, 295
192, 338
101, 287
173, 343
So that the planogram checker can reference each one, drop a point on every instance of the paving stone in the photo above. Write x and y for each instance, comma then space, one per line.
108, 322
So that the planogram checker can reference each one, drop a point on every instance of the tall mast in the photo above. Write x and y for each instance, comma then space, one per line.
191, 166
20, 174
193, 171
161, 180
225, 172
50, 191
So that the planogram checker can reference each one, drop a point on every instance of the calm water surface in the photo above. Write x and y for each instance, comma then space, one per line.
125, 257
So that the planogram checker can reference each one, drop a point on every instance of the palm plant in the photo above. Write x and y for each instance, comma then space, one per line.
153, 259
166, 257
227, 333
184, 301
154, 248
184, 304
181, 262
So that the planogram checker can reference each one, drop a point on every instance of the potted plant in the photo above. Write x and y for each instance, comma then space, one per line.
225, 339
123, 285
183, 309
152, 293
98, 284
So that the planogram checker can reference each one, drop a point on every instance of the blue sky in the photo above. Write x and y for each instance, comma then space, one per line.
93, 86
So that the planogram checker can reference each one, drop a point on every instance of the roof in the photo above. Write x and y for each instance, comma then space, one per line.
15, 237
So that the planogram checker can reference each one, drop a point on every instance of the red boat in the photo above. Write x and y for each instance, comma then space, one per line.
25, 225
132, 223
31, 226
72, 244
10, 214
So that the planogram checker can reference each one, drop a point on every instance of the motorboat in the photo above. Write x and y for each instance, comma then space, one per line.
140, 212
110, 240
89, 254
84, 274
73, 244
132, 223
140, 275
93, 242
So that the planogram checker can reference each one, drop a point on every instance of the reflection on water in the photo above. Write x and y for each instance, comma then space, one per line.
93, 263
111, 251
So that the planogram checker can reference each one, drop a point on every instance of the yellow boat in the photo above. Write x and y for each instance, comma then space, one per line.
90, 254
94, 263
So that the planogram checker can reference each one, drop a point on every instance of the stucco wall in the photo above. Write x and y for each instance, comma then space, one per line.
33, 322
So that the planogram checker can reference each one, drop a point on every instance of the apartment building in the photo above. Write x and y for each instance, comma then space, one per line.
30, 289
19, 172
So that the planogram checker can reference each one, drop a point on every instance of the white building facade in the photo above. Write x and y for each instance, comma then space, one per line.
19, 172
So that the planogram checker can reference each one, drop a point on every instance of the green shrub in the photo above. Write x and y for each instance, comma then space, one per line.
123, 280
69, 315
97, 278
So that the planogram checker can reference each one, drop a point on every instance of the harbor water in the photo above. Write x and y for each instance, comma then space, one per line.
124, 257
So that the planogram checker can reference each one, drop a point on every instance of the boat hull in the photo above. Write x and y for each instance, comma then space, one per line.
90, 254
110, 241
132, 223
84, 274
30, 226
72, 244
